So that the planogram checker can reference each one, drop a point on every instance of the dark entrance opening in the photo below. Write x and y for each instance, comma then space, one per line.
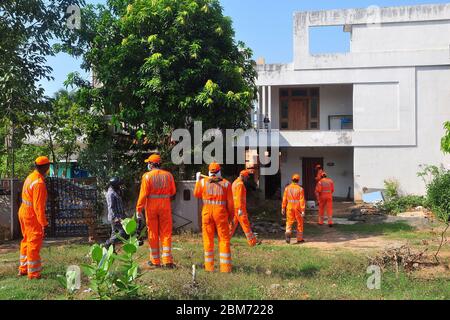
272, 186
309, 175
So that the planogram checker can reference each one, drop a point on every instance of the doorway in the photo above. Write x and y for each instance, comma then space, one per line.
298, 114
309, 175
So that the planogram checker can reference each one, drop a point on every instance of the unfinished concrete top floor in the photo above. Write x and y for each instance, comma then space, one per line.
380, 37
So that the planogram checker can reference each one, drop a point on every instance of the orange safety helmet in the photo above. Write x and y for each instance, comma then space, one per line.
214, 167
296, 177
245, 173
42, 160
154, 158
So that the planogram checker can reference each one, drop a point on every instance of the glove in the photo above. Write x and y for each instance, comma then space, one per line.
303, 214
198, 176
240, 212
283, 212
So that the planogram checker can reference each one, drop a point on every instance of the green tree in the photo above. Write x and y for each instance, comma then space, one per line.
164, 64
445, 142
27, 28
63, 125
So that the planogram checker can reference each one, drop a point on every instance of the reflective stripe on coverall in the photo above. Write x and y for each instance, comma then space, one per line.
324, 192
240, 211
294, 204
32, 222
157, 187
217, 210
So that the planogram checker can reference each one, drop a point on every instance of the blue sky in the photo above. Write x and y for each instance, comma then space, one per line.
264, 25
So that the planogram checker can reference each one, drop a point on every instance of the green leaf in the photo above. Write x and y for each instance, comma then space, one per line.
88, 269
129, 248
62, 280
96, 253
129, 225
121, 257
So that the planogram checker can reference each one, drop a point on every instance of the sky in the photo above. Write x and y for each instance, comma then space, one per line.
264, 25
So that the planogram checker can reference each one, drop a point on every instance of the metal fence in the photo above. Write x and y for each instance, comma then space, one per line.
71, 207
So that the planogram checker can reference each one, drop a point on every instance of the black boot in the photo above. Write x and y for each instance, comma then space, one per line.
288, 237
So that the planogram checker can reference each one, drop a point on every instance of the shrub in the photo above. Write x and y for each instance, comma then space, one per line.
399, 204
391, 187
438, 194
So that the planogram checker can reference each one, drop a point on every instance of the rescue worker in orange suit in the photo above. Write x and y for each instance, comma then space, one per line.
32, 219
318, 176
324, 192
240, 208
293, 207
217, 212
157, 191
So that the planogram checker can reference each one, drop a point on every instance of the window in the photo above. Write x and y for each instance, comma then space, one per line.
329, 39
284, 93
299, 92
187, 195
340, 122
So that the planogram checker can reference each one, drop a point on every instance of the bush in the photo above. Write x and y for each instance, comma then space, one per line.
399, 204
391, 186
438, 193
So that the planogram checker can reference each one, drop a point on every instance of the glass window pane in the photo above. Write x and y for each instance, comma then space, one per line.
284, 125
314, 125
314, 92
300, 92
284, 109
314, 108
284, 93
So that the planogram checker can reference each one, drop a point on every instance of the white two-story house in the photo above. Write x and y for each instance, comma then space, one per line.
373, 113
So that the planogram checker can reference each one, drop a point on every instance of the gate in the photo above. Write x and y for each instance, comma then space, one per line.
71, 207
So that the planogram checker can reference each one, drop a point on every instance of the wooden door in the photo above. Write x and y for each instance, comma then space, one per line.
298, 114
309, 175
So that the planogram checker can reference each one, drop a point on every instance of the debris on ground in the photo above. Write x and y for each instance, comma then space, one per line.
343, 221
403, 256
367, 212
267, 227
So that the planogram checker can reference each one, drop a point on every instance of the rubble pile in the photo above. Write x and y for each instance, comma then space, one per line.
367, 213
403, 257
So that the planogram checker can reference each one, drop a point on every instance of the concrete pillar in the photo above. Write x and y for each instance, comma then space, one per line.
269, 106
264, 105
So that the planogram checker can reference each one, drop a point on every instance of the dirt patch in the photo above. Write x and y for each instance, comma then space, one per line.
331, 240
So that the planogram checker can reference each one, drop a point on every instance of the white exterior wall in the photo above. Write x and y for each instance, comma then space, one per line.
335, 100
374, 165
412, 36
341, 172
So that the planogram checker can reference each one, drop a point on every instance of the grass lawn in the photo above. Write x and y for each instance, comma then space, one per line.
273, 270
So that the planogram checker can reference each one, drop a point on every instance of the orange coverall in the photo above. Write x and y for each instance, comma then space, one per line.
240, 211
157, 187
294, 204
324, 192
218, 210
32, 223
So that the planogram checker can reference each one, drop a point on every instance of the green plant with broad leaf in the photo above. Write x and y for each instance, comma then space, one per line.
115, 275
